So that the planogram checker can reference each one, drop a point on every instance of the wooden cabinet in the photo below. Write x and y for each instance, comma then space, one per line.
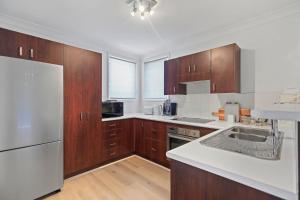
195, 67
118, 139
18, 45
127, 139
225, 69
139, 136
82, 111
201, 66
220, 65
185, 68
191, 183
49, 51
151, 140
171, 85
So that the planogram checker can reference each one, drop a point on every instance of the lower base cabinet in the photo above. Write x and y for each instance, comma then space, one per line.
190, 183
117, 139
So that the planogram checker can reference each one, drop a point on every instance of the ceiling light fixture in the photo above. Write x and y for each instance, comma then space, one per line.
144, 7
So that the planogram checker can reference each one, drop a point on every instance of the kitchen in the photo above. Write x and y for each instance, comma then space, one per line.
89, 113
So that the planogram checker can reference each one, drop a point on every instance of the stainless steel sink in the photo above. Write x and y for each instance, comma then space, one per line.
193, 120
253, 135
252, 138
258, 143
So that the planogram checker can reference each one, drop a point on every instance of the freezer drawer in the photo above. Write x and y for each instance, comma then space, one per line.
31, 103
32, 172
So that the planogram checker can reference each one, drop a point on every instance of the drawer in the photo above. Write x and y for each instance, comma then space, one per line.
111, 125
155, 150
111, 153
112, 134
155, 130
111, 143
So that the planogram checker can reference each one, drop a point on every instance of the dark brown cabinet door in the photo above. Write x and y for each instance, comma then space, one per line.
200, 69
156, 141
171, 85
127, 138
139, 136
185, 68
49, 51
225, 69
82, 111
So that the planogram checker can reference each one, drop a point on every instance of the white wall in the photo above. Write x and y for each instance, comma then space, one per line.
270, 63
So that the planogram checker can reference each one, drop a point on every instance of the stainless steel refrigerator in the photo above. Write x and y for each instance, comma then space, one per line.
31, 128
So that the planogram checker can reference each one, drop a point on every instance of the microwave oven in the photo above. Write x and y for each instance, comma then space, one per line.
112, 109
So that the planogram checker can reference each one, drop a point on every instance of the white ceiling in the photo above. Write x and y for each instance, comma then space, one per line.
109, 23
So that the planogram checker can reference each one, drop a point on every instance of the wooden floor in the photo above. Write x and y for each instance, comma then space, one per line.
129, 179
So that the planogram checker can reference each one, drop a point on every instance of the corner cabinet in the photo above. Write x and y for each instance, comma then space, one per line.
171, 85
151, 140
225, 69
82, 110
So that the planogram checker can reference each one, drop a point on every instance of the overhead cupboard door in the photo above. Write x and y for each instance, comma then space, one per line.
31, 103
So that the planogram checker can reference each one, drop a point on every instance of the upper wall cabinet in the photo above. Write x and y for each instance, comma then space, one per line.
194, 67
171, 86
220, 65
225, 69
18, 45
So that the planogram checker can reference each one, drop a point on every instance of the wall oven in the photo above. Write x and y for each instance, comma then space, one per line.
178, 136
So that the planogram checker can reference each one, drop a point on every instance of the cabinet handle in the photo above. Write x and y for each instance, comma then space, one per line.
31, 53
81, 116
213, 87
113, 144
20, 51
174, 89
112, 134
194, 68
112, 154
189, 68
112, 125
153, 149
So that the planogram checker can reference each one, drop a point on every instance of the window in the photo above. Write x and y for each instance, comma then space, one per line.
154, 79
121, 79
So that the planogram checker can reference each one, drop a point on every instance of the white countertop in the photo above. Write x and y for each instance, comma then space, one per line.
278, 177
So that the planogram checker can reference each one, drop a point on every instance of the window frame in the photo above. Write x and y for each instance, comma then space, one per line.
108, 78
165, 57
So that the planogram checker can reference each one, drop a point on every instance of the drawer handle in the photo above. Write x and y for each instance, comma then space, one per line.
112, 154
112, 125
153, 149
113, 144
112, 134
